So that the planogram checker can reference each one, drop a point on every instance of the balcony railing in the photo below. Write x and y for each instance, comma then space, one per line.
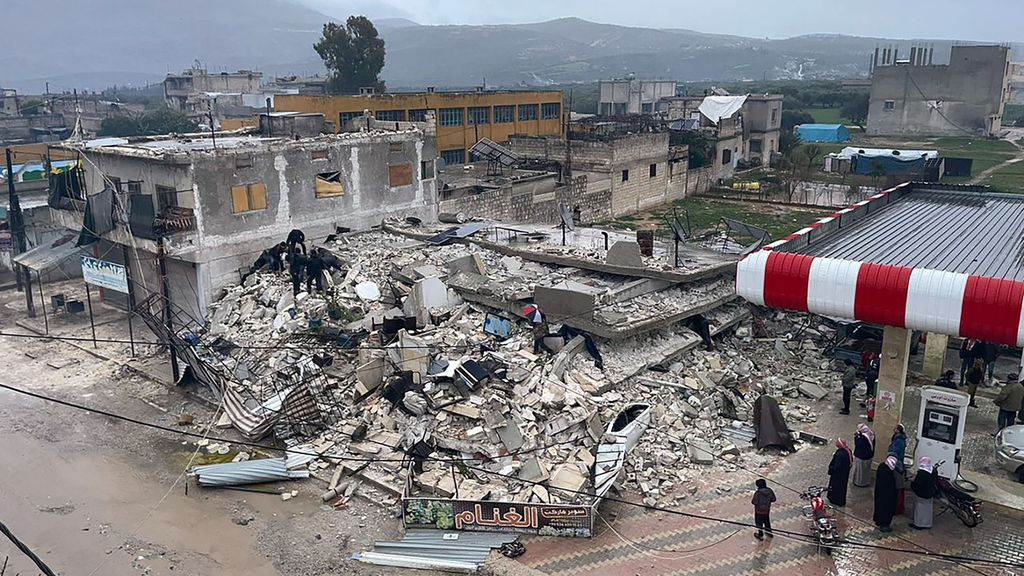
175, 219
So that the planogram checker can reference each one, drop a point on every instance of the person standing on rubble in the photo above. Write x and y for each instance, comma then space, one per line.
863, 452
885, 494
839, 473
296, 266
296, 238
762, 501
849, 383
314, 271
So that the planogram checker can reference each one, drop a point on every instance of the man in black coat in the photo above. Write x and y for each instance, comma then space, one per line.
314, 271
296, 266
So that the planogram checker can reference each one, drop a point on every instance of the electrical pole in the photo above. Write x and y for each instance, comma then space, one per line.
17, 226
168, 322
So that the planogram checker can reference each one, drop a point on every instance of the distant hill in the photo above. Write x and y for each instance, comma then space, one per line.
102, 42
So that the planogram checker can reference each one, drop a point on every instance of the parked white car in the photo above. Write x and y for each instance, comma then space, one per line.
1010, 450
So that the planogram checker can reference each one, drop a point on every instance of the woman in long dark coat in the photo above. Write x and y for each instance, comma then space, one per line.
885, 494
839, 473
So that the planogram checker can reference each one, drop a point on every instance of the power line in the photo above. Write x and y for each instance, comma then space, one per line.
796, 535
25, 550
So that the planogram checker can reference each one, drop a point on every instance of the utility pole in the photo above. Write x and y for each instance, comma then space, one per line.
17, 225
168, 322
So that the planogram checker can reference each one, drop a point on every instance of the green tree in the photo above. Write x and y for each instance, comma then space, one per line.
32, 107
155, 122
700, 147
353, 55
856, 109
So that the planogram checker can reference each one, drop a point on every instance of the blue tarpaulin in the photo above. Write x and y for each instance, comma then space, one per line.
830, 133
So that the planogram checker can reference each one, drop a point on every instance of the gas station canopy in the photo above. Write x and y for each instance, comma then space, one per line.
928, 257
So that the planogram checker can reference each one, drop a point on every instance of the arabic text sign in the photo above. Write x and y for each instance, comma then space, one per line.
105, 274
483, 516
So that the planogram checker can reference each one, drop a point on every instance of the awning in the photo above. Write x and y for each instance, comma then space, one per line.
50, 254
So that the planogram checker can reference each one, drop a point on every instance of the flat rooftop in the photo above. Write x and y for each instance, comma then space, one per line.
964, 231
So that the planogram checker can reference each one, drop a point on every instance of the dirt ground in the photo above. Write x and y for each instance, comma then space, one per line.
92, 494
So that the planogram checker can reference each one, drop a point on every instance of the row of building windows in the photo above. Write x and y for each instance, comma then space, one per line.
474, 115
652, 172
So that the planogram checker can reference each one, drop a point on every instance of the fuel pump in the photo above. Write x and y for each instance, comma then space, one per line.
940, 427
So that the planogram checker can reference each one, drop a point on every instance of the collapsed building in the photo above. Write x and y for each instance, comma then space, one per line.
421, 371
206, 206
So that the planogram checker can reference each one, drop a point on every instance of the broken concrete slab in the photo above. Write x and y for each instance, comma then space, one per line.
700, 452
566, 300
368, 291
812, 390
568, 476
626, 254
470, 264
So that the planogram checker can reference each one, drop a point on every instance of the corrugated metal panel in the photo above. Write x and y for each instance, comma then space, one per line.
50, 254
976, 233
457, 551
248, 472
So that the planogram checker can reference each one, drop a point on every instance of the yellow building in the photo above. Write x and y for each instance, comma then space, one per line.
463, 118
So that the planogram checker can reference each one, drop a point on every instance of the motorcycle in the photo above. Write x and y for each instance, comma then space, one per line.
817, 512
966, 507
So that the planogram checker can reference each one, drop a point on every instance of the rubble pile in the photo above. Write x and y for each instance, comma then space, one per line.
443, 407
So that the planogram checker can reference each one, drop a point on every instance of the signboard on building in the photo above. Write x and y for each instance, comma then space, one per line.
484, 516
105, 274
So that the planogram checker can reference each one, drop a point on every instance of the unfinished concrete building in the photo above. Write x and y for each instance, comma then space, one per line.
762, 121
215, 205
914, 96
632, 96
184, 92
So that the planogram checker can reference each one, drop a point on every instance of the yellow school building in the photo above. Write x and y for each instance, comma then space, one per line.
462, 118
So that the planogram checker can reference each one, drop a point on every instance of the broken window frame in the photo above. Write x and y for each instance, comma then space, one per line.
400, 175
328, 184
166, 197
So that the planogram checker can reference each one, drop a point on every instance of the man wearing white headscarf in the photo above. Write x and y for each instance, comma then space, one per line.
863, 452
925, 488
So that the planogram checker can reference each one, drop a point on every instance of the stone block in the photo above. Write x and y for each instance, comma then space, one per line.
566, 300
700, 452
812, 390
471, 264
625, 253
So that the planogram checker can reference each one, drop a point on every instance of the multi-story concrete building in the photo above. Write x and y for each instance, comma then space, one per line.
762, 121
632, 96
186, 92
913, 96
215, 206
463, 118
637, 171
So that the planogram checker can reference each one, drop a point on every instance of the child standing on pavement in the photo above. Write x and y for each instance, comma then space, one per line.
762, 501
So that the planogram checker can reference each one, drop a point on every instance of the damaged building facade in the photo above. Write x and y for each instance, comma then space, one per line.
916, 97
210, 207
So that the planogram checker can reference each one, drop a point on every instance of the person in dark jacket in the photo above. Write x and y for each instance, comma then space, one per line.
296, 266
762, 501
885, 494
975, 375
296, 238
990, 353
946, 381
849, 383
925, 487
1009, 400
331, 262
314, 271
898, 445
967, 355
271, 259
839, 473
863, 452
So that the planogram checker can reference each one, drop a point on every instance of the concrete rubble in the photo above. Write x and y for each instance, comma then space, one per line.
403, 365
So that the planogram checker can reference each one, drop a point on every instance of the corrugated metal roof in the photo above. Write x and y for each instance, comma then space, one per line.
969, 232
50, 254
455, 551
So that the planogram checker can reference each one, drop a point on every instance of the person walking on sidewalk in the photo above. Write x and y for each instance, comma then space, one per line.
849, 383
885, 494
762, 501
925, 488
863, 452
1009, 401
839, 473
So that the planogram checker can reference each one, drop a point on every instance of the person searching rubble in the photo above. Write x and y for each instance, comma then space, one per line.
271, 259
702, 327
946, 381
296, 238
296, 266
314, 271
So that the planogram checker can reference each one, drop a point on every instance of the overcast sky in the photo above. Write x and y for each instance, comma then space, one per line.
988, 20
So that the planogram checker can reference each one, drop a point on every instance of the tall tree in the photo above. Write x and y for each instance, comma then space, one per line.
353, 55
856, 109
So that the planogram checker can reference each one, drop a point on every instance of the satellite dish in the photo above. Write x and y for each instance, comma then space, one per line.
440, 165
566, 215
